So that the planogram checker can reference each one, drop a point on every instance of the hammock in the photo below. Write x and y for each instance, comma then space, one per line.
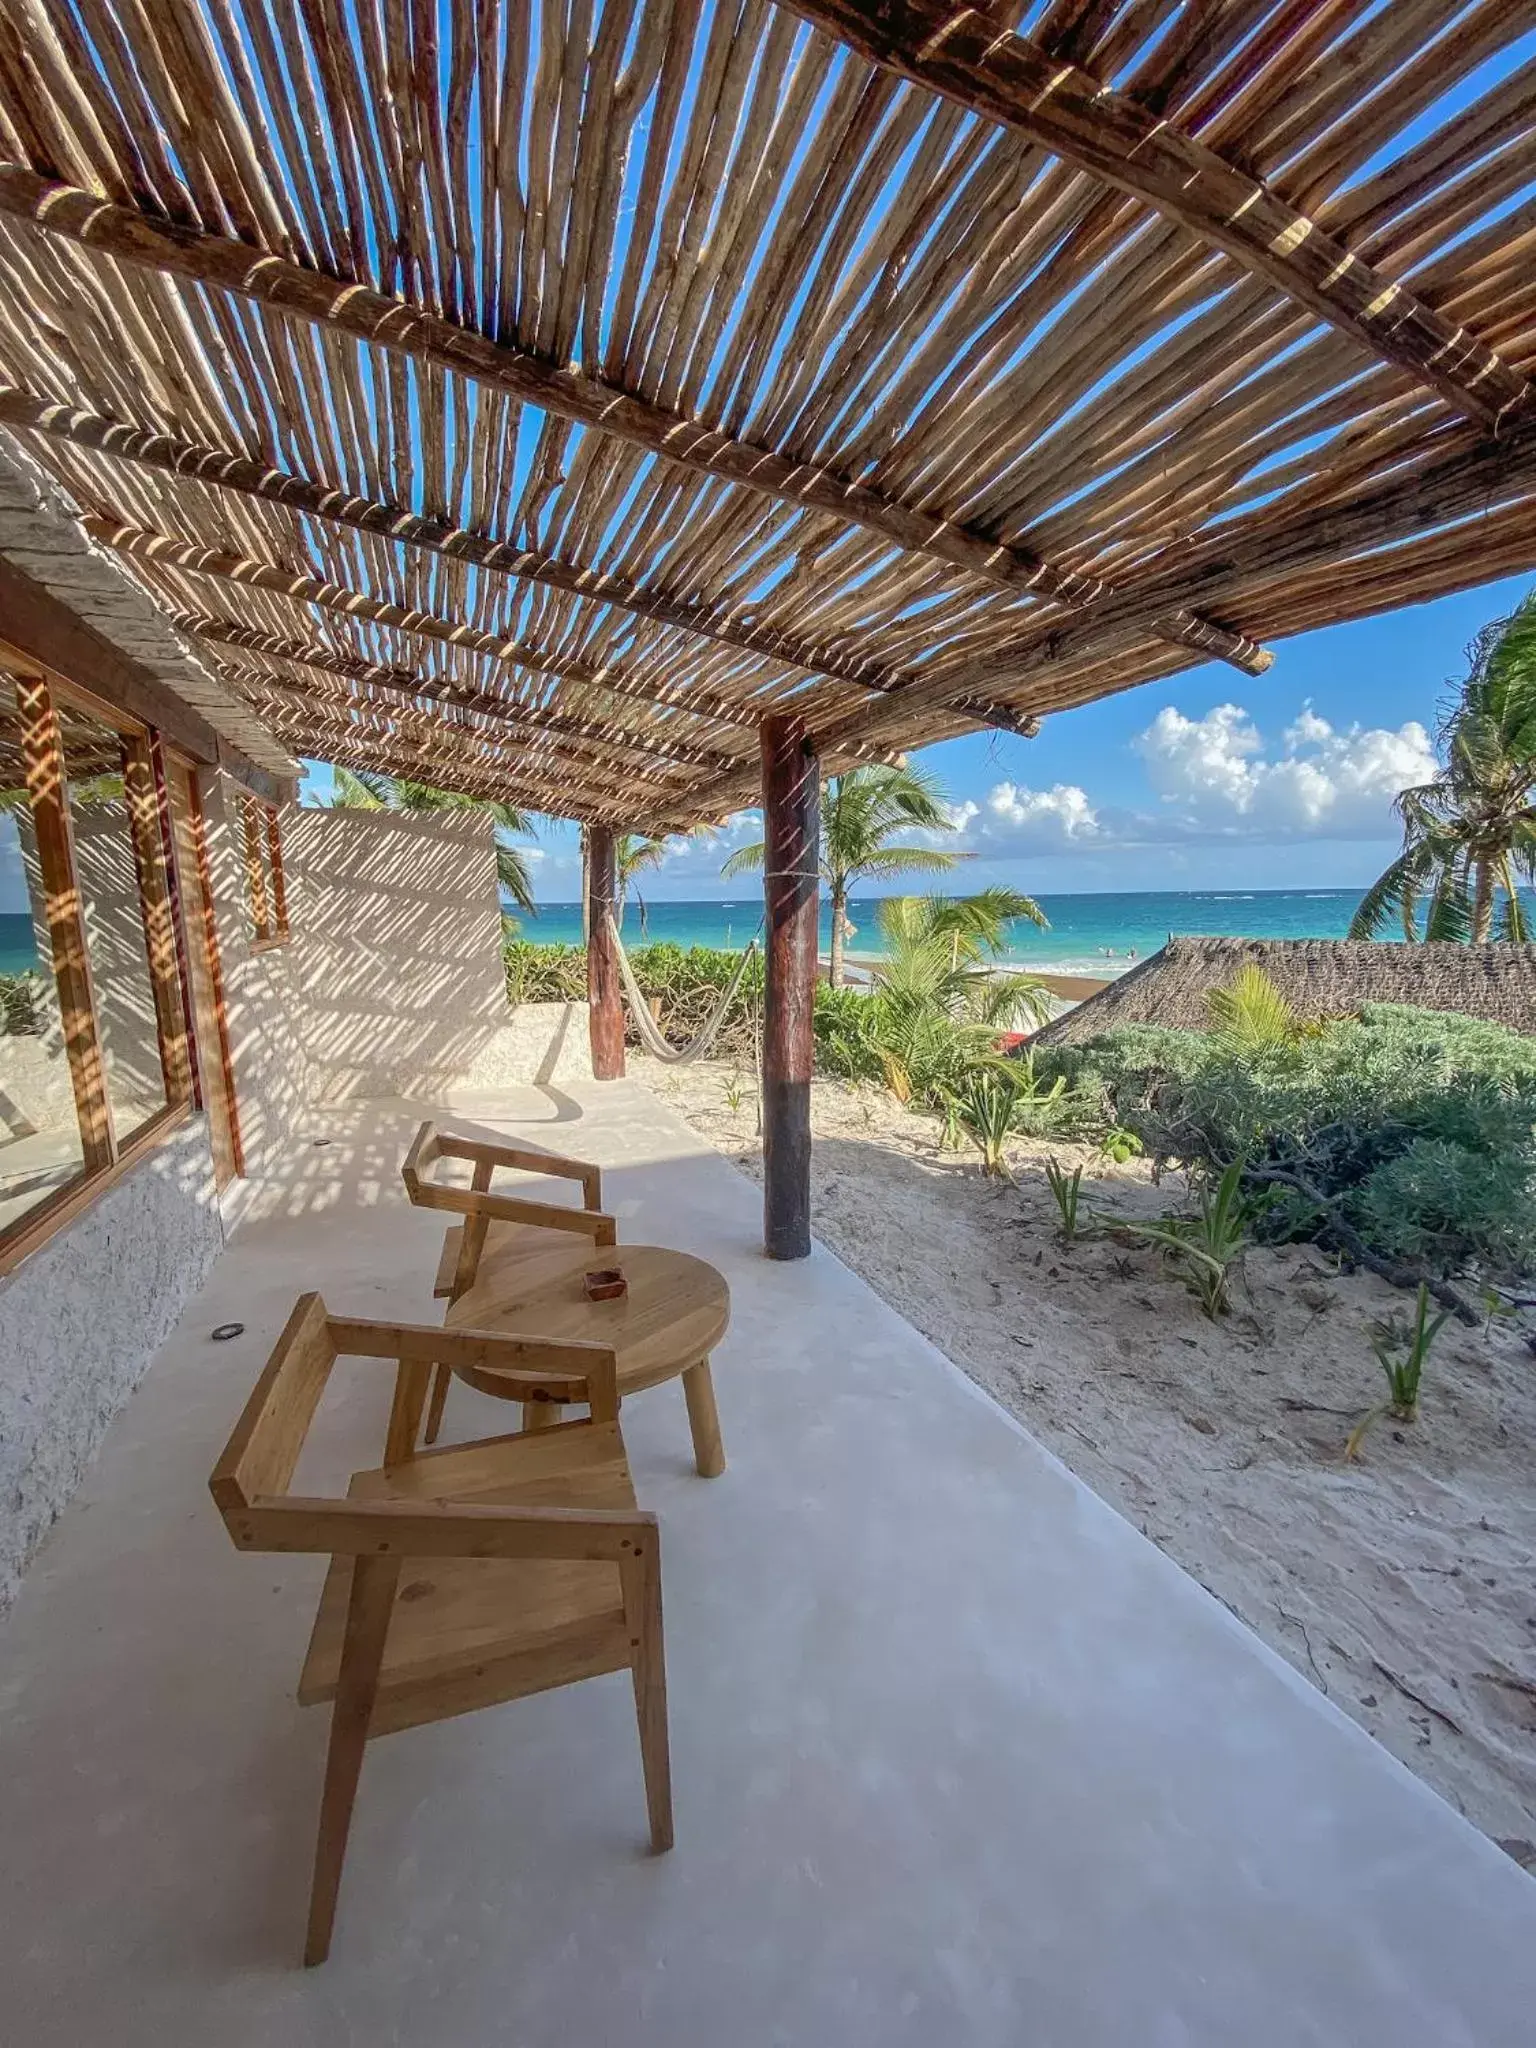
650, 1031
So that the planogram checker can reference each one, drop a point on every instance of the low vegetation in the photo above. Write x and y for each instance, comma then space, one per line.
1401, 1138
1207, 1246
1401, 1349
20, 1004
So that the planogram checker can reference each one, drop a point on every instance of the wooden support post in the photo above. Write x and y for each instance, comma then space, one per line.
605, 1009
145, 823
255, 873
43, 751
791, 893
279, 880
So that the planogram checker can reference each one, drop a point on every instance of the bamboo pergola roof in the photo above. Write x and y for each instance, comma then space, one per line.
530, 398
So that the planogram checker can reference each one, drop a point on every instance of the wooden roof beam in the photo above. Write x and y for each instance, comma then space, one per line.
142, 545
1457, 479
424, 728
316, 730
36, 624
354, 668
218, 262
101, 435
964, 54
256, 684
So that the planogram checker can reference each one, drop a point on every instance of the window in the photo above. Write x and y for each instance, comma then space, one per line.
266, 886
94, 1055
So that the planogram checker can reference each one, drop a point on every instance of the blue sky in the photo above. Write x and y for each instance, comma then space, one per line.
1210, 780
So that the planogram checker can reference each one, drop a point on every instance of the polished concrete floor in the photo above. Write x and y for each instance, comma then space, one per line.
960, 1759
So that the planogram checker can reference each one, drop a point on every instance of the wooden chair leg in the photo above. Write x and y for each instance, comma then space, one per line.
373, 1596
411, 1382
642, 1607
439, 1401
704, 1420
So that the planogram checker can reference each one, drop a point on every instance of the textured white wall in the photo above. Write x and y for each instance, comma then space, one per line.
80, 1321
400, 971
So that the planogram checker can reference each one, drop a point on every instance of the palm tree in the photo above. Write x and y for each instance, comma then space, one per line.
1469, 837
633, 854
366, 790
938, 955
861, 812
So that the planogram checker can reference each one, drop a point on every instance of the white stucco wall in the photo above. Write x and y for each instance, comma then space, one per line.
80, 1321
397, 958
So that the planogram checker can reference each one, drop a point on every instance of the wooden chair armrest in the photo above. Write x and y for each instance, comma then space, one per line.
529, 1369
594, 1223
482, 1151
443, 1529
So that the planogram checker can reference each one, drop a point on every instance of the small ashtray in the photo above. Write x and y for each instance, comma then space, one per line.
606, 1284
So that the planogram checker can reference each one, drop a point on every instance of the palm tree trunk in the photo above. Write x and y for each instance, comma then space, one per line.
839, 903
1482, 904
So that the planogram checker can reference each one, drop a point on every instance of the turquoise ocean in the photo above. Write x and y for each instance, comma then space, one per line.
1089, 934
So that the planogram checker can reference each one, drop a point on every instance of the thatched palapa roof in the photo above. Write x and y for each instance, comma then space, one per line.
533, 398
1318, 977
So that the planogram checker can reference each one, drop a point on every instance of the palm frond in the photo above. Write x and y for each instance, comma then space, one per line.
1250, 1012
743, 860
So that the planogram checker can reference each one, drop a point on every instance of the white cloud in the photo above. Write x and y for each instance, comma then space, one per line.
1216, 778
1043, 820
1216, 773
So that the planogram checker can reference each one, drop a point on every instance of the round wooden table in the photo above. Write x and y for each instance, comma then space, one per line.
664, 1327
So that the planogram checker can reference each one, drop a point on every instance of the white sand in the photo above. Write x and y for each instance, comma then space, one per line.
1402, 1585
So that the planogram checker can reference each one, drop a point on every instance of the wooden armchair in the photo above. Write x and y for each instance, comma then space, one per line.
512, 1216
463, 1577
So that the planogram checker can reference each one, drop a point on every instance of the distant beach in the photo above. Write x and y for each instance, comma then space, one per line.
1092, 935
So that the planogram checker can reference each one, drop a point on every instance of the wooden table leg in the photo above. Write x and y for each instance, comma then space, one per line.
704, 1420
542, 1414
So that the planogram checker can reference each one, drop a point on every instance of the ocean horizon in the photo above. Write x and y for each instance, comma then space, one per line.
1100, 933
1091, 933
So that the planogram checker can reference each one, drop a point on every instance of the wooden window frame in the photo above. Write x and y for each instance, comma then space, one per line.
262, 840
104, 1160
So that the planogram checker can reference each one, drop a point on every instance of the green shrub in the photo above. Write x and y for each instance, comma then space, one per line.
19, 1004
1414, 1126
1437, 1200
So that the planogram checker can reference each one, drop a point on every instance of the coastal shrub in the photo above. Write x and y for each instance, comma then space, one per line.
685, 983
1413, 1128
19, 999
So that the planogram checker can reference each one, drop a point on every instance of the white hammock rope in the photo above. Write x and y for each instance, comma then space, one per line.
651, 1036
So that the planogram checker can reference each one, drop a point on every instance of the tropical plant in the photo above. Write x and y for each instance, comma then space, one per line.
1401, 1351
1250, 1011
1067, 1190
633, 854
936, 954
1205, 1247
1401, 1138
983, 1106
862, 813
1469, 836
367, 790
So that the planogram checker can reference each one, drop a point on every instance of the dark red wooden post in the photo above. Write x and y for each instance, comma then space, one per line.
605, 1009
791, 877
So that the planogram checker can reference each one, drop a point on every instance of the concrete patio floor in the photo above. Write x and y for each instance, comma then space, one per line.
961, 1760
